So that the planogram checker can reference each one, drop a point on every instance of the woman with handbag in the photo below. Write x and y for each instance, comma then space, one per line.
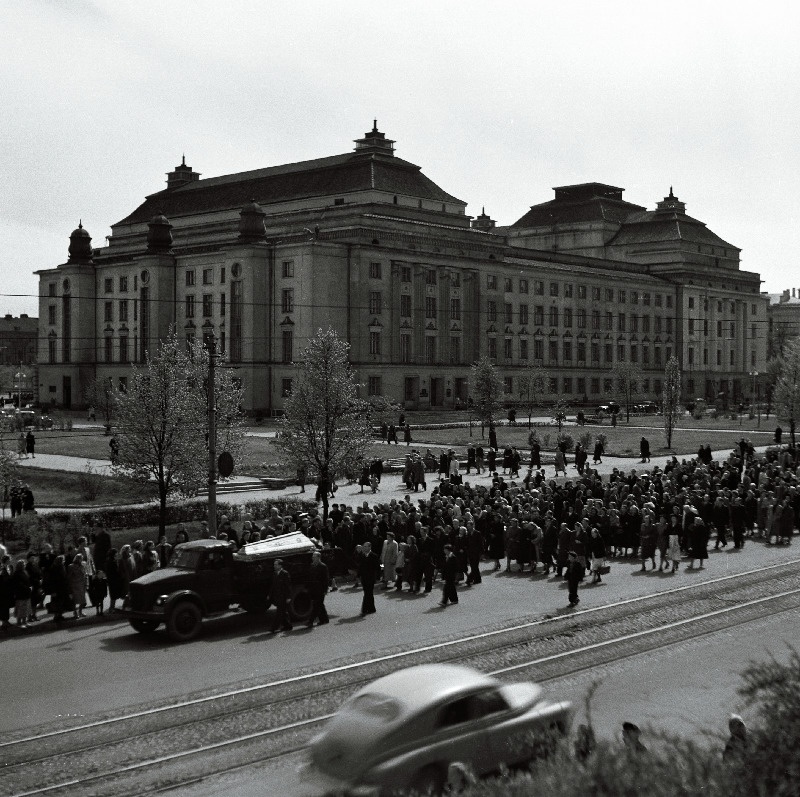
597, 548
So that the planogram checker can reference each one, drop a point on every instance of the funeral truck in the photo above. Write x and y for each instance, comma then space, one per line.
207, 578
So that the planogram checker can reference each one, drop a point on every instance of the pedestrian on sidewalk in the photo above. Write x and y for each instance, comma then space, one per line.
22, 446
30, 444
644, 449
450, 573
575, 573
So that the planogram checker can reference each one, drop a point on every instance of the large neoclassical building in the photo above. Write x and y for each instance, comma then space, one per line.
366, 243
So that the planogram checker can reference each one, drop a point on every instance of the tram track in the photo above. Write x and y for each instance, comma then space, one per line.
206, 735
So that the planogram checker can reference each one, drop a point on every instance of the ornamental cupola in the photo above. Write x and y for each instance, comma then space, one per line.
670, 204
251, 223
181, 175
80, 246
483, 222
374, 143
159, 234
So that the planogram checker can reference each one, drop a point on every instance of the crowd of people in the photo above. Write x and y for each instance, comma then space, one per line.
571, 528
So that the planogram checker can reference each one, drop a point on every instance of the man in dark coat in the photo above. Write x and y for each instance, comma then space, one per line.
392, 435
102, 545
644, 449
450, 573
575, 573
470, 457
27, 499
318, 584
30, 444
368, 567
475, 546
280, 594
536, 455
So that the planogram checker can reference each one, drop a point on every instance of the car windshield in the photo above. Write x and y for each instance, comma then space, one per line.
376, 706
185, 558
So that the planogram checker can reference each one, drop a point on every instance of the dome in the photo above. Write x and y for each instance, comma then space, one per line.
80, 245
251, 222
159, 234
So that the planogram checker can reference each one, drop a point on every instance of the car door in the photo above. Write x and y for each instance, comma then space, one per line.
214, 579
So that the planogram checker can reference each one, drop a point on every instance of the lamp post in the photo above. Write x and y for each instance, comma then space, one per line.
754, 374
19, 376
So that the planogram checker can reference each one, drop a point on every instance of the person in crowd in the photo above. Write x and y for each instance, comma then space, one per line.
698, 542
318, 583
27, 499
363, 479
631, 740
280, 595
22, 446
113, 445
368, 568
128, 568
737, 745
116, 588
77, 579
479, 458
21, 593
60, 592
101, 547
6, 591
407, 435
163, 551
149, 558
449, 572
98, 590
575, 573
15, 499
597, 549
389, 553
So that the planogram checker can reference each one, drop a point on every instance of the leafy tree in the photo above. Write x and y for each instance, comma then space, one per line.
486, 389
532, 385
671, 398
787, 385
774, 365
560, 414
162, 419
383, 409
628, 376
325, 426
102, 395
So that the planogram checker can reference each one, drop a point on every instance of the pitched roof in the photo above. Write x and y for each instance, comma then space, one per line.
336, 175
653, 226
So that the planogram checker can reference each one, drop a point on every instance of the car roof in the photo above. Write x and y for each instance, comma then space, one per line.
420, 686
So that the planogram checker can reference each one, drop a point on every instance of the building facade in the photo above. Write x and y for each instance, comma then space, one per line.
367, 244
784, 319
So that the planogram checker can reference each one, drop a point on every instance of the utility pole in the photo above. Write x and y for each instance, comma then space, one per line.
212, 439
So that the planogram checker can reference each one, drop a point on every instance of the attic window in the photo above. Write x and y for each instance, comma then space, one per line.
338, 201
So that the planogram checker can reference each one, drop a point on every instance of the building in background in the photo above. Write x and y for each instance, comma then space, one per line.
365, 243
784, 319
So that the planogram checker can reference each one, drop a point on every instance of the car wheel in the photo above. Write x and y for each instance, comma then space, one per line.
301, 604
428, 781
184, 621
144, 626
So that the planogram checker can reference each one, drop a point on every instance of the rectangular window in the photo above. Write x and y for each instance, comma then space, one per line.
567, 349
491, 310
620, 352
430, 276
405, 348
634, 353
646, 299
595, 319
609, 294
567, 317
287, 345
221, 276
287, 269
51, 289
581, 386
109, 341
222, 304
691, 326
51, 314
752, 331
374, 386
668, 321
552, 351
508, 385
608, 352
190, 278
568, 289
538, 315
405, 304
508, 312
491, 282
507, 285
287, 300
634, 297
554, 289
621, 322
208, 276
634, 323
523, 349
609, 321
581, 319
732, 357
123, 384
581, 351
691, 355
108, 315
405, 273
430, 349
658, 300
523, 286
507, 348
621, 297
52, 344
669, 300
123, 284
455, 350
719, 329
123, 309
286, 387
538, 287
581, 291
646, 324
567, 383
596, 294
455, 309
595, 353
109, 285
691, 302
374, 342
608, 385
492, 348
552, 317
552, 385
733, 330
705, 356
375, 302
190, 306
645, 355
538, 349
375, 271
430, 307
208, 305
523, 314
668, 353
455, 279
594, 385
690, 386
123, 348
658, 324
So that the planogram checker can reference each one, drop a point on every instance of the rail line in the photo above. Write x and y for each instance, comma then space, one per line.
661, 634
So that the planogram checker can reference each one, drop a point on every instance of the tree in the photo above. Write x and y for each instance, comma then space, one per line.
102, 395
8, 467
532, 385
787, 385
162, 419
560, 414
325, 426
671, 398
628, 375
486, 389
774, 365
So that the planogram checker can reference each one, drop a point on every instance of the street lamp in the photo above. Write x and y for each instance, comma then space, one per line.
754, 374
19, 376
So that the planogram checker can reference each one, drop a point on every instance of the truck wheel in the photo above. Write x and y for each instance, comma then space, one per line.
144, 626
183, 623
301, 604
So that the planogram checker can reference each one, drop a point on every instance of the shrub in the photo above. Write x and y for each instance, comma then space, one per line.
89, 483
567, 440
586, 439
545, 441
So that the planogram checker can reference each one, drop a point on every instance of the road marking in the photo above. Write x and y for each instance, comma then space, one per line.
388, 657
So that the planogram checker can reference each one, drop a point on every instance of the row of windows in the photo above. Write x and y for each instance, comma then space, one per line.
731, 328
719, 357
207, 304
720, 304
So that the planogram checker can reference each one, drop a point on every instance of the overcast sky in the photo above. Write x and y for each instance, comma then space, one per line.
496, 101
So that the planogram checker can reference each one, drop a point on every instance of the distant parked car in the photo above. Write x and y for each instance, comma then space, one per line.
400, 733
45, 422
646, 408
608, 409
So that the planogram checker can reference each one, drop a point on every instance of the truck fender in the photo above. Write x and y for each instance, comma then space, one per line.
185, 595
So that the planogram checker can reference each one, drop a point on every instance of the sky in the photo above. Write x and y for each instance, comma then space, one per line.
498, 102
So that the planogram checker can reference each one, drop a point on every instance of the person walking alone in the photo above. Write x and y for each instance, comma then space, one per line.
368, 569
320, 578
575, 573
450, 573
280, 594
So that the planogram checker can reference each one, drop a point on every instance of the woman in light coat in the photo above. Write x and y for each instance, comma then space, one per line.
389, 554
77, 581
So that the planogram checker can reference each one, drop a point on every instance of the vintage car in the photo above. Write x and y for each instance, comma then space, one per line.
401, 733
